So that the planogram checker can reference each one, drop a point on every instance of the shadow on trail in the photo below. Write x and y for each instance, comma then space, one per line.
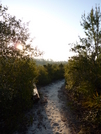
40, 124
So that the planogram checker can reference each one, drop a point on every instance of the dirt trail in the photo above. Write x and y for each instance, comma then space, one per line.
49, 116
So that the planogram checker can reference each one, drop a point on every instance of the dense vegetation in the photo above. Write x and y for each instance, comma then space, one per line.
18, 71
49, 73
83, 72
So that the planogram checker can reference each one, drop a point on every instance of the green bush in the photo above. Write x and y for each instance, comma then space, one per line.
49, 73
16, 86
43, 77
83, 81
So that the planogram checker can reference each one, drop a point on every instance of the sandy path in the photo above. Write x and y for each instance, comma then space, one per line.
48, 118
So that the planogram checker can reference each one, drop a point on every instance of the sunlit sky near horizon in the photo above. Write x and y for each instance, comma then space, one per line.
53, 23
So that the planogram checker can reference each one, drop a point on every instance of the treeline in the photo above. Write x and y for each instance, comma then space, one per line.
83, 74
45, 62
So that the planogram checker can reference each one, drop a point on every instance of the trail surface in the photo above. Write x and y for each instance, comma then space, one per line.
50, 115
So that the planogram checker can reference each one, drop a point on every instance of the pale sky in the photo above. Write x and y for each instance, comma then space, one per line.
53, 23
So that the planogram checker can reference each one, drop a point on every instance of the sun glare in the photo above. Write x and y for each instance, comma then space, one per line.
19, 46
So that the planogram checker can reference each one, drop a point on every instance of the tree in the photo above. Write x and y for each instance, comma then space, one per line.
90, 45
12, 33
18, 70
83, 71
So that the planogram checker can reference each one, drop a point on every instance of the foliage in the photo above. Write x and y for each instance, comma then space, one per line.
16, 86
83, 71
12, 33
90, 46
49, 73
18, 71
43, 77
